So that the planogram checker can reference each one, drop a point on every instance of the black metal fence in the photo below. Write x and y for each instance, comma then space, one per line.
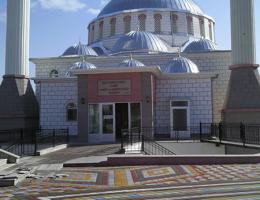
27, 142
231, 132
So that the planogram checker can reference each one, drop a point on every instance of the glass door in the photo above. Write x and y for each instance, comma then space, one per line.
108, 118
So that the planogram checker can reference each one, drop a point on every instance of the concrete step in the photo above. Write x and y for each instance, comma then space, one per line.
12, 177
3, 162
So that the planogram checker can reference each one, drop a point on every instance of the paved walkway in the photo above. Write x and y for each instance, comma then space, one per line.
147, 182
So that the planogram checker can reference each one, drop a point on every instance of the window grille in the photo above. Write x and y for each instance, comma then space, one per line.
72, 112
112, 26
157, 23
101, 25
174, 20
54, 74
210, 31
127, 24
190, 25
202, 28
141, 22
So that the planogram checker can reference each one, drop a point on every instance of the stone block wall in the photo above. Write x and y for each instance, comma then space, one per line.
166, 26
54, 97
196, 91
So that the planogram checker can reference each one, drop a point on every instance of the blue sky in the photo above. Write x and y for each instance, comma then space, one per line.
57, 24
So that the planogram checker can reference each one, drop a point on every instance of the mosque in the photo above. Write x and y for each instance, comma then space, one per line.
148, 64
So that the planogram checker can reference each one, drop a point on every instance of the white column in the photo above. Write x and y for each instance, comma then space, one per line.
17, 37
243, 32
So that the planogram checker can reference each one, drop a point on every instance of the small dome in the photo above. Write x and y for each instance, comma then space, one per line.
201, 45
80, 65
80, 50
181, 65
131, 63
135, 41
117, 6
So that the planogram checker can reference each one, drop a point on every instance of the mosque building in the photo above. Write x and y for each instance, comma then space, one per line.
148, 63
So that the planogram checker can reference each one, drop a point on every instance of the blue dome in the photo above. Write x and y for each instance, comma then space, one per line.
201, 45
80, 65
117, 6
131, 63
181, 65
80, 50
135, 41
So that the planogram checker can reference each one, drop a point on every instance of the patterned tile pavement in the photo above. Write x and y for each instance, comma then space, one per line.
146, 182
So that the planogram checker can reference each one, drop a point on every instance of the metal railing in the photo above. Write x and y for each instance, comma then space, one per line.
138, 141
231, 132
27, 142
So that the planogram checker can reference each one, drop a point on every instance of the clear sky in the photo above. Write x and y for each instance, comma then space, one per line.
58, 24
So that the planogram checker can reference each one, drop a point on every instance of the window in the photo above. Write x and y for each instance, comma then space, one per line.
174, 20
54, 73
202, 28
157, 23
127, 24
101, 25
210, 31
135, 115
92, 33
142, 22
72, 112
112, 26
190, 25
94, 119
180, 115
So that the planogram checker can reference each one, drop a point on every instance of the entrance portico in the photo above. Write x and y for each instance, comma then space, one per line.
111, 100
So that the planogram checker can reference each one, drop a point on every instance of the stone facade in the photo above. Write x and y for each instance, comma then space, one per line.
216, 62
196, 91
54, 96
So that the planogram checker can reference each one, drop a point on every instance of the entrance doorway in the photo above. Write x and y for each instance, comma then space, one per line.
122, 118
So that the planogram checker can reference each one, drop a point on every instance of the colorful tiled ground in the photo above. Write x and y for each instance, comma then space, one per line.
166, 178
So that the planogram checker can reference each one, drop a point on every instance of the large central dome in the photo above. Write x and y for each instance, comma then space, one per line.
115, 6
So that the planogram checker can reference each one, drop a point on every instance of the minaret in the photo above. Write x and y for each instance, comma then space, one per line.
18, 105
243, 97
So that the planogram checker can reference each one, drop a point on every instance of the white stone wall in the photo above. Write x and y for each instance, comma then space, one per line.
215, 62
196, 91
54, 97
150, 27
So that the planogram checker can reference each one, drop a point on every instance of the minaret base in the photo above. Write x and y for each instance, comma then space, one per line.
18, 105
243, 96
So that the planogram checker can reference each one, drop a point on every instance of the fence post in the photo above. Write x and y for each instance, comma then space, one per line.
242, 134
142, 147
21, 141
68, 135
53, 138
220, 131
35, 142
200, 132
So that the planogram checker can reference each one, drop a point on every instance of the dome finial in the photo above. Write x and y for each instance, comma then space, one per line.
138, 28
131, 56
179, 51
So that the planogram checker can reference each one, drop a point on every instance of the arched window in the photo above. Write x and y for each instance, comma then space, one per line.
142, 22
54, 73
101, 26
127, 24
72, 112
93, 33
202, 28
210, 31
174, 22
157, 23
112, 26
190, 25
